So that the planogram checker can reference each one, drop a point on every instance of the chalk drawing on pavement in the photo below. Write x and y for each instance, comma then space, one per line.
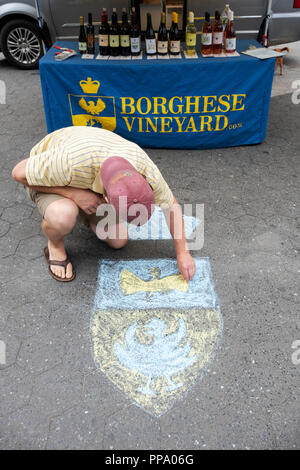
162, 358
130, 283
157, 229
153, 334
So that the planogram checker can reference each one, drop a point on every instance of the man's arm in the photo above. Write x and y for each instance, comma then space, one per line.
87, 200
174, 219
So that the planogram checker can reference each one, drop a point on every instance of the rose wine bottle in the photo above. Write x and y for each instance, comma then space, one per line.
206, 36
230, 36
224, 16
217, 34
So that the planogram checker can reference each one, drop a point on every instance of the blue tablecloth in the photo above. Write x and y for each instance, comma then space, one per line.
176, 103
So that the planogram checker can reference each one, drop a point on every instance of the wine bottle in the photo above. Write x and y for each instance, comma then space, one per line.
206, 36
174, 36
135, 35
82, 41
90, 31
114, 39
125, 34
150, 37
162, 38
224, 16
230, 36
191, 35
104, 34
217, 30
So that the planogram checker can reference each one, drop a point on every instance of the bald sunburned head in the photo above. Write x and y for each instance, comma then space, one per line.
127, 190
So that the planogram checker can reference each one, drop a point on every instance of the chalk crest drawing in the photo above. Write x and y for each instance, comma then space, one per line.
163, 357
157, 229
130, 283
153, 334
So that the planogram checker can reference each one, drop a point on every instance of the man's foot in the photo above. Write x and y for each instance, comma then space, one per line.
58, 253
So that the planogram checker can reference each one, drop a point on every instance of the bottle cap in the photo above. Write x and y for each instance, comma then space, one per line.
230, 15
191, 17
104, 9
174, 17
114, 10
133, 9
207, 16
217, 15
124, 10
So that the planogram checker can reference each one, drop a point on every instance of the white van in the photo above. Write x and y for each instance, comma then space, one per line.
21, 38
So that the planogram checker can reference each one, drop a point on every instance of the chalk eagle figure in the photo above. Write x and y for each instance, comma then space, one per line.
164, 357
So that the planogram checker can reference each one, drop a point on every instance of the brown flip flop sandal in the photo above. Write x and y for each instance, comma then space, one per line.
63, 264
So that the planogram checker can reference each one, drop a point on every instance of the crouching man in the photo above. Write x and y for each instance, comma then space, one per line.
74, 170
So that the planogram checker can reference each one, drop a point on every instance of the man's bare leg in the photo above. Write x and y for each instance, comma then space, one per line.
121, 236
59, 220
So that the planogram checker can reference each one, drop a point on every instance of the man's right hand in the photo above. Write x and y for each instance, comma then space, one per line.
87, 200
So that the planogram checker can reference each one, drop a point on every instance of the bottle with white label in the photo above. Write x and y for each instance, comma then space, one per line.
125, 34
174, 35
104, 34
150, 37
230, 36
162, 37
217, 34
224, 16
82, 42
206, 40
191, 35
114, 38
135, 35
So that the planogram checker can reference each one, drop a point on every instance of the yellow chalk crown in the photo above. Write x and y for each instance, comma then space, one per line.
90, 86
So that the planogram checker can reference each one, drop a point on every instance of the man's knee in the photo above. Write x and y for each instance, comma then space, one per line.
119, 238
116, 236
117, 244
62, 214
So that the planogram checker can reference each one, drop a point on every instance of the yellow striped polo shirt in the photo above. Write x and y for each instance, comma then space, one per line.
73, 157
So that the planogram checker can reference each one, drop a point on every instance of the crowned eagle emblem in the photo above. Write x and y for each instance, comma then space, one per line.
91, 107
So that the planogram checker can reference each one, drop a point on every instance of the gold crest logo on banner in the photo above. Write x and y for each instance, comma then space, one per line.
93, 110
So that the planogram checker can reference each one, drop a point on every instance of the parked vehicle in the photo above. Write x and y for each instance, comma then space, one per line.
22, 40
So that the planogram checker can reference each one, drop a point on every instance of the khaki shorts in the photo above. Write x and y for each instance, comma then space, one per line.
43, 200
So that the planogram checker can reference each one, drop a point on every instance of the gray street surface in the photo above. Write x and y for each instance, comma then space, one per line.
52, 395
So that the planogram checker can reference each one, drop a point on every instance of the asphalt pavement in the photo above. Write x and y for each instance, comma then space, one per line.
52, 394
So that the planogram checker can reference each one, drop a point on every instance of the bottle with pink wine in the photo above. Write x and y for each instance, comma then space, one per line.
230, 36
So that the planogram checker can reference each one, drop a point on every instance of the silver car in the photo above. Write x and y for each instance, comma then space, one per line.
23, 36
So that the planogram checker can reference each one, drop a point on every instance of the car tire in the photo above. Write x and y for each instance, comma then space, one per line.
21, 43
